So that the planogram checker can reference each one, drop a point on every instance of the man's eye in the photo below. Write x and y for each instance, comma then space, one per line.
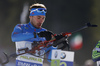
43, 18
38, 17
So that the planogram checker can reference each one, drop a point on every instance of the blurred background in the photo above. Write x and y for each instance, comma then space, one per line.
62, 16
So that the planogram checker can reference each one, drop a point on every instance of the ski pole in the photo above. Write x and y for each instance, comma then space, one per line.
86, 26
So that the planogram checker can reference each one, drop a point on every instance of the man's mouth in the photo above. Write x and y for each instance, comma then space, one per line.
39, 25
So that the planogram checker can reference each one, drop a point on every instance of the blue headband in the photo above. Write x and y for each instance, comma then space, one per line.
38, 11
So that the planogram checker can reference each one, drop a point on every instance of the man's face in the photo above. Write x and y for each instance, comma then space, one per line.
37, 21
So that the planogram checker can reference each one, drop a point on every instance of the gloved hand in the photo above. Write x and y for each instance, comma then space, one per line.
46, 34
58, 37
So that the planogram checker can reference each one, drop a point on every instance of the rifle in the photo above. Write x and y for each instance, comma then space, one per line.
47, 44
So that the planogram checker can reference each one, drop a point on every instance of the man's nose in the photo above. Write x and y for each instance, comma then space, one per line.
41, 20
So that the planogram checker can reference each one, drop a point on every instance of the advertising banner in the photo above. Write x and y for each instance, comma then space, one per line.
67, 58
62, 58
28, 60
55, 57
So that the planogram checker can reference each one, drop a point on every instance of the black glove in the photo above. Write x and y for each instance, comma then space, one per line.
46, 34
58, 37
